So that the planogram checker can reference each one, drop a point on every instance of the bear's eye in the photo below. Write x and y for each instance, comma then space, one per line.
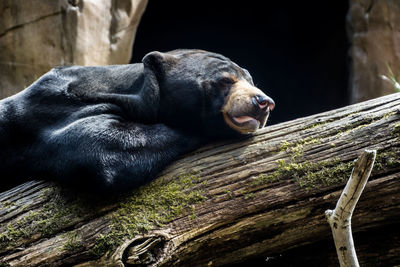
225, 80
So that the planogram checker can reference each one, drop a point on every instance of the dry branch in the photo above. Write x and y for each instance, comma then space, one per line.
260, 197
340, 218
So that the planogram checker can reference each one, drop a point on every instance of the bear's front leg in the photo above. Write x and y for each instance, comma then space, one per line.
106, 153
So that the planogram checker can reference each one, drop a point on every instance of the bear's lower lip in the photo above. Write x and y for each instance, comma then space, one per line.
244, 119
246, 123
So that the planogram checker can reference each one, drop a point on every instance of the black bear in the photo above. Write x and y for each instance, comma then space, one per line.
115, 127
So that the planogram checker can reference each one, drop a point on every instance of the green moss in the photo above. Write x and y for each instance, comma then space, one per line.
73, 243
396, 130
104, 243
242, 192
387, 159
11, 234
6, 204
284, 145
358, 127
266, 178
309, 174
57, 213
193, 215
249, 196
272, 177
389, 114
12, 231
315, 125
297, 149
229, 194
149, 207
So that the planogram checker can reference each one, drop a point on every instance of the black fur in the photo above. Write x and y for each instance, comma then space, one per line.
114, 127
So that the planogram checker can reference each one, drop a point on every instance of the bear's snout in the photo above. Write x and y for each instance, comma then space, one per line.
246, 107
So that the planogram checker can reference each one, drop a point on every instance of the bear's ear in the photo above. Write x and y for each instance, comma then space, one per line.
159, 62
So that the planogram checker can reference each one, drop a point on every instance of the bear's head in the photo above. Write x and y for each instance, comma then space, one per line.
207, 92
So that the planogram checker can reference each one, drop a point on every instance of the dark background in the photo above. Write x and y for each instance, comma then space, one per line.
296, 51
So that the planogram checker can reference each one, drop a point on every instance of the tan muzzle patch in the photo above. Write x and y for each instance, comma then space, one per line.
241, 110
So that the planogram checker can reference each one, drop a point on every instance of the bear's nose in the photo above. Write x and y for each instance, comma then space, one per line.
263, 101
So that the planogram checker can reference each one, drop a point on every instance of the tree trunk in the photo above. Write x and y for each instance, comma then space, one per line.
260, 199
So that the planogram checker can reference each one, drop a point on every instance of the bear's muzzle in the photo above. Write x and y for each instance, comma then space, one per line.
246, 108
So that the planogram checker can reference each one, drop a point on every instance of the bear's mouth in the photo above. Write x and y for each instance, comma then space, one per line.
246, 108
243, 120
246, 123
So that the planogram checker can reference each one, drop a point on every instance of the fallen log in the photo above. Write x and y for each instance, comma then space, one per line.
259, 198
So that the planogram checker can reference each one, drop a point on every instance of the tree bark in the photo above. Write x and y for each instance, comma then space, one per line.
259, 199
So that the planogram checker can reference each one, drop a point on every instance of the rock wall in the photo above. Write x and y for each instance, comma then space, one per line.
374, 34
36, 35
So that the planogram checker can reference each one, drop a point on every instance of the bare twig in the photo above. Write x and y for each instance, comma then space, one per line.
340, 218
